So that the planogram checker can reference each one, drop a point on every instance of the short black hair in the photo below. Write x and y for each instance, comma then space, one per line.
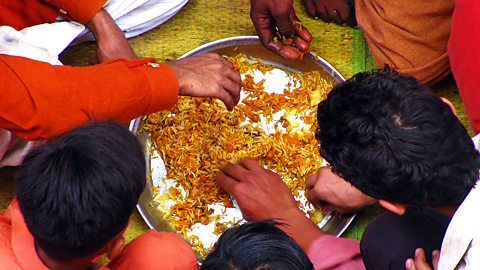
79, 190
257, 245
394, 139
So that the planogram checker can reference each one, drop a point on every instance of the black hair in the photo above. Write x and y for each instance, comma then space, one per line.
257, 245
79, 190
394, 139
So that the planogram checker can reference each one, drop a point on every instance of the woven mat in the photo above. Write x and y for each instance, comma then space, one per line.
203, 21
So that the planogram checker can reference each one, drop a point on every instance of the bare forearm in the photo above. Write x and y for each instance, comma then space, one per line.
300, 228
102, 24
111, 41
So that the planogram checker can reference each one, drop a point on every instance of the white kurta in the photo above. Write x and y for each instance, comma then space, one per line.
135, 17
461, 244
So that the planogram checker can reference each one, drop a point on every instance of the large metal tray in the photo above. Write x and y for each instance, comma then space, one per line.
334, 224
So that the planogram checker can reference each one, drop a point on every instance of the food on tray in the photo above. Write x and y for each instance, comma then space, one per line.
274, 122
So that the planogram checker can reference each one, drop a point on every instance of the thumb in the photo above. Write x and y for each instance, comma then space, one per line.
420, 260
435, 259
410, 265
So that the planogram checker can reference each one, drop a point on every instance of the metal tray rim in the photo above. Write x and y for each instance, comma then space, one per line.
342, 221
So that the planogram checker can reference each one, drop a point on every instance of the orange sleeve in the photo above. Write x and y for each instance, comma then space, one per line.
156, 250
8, 259
80, 11
23, 13
40, 100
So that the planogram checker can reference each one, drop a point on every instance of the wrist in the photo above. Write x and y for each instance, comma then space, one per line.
100, 24
177, 70
288, 215
299, 227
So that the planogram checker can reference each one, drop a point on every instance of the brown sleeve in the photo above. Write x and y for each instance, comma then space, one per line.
409, 36
40, 100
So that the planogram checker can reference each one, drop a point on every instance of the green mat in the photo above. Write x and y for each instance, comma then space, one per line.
203, 21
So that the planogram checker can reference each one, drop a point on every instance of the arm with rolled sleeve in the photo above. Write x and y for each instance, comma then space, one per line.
40, 100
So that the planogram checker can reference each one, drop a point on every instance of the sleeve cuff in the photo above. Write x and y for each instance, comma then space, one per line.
81, 11
164, 86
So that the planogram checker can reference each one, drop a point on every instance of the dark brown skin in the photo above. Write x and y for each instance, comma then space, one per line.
208, 75
261, 194
273, 18
111, 42
337, 11
301, 44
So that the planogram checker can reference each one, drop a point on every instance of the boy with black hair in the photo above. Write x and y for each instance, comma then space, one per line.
405, 147
74, 198
396, 142
256, 245
390, 144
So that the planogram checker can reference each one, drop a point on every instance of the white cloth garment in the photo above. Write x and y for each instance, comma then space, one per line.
45, 42
40, 42
461, 244
135, 17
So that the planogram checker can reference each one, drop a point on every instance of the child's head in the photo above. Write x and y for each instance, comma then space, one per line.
254, 246
394, 139
78, 191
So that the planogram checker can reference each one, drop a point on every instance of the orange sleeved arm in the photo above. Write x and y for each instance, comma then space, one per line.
40, 100
80, 11
23, 13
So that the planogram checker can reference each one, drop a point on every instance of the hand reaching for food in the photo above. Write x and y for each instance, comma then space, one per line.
330, 192
279, 28
208, 75
261, 194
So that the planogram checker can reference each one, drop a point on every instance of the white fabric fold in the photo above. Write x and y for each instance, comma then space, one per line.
137, 16
42, 42
45, 42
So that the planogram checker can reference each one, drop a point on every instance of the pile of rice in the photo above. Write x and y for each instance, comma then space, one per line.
199, 136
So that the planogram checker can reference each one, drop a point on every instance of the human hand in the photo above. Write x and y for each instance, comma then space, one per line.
338, 11
420, 262
260, 193
208, 75
272, 16
330, 192
111, 42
